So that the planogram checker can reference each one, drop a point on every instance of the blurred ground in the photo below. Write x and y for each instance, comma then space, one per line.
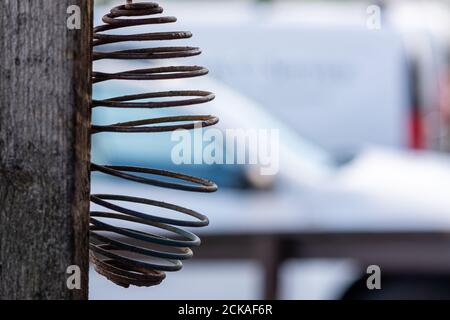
315, 279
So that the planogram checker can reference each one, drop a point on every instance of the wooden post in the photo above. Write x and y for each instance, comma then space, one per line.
44, 148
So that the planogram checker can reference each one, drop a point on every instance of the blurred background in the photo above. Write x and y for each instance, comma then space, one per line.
360, 93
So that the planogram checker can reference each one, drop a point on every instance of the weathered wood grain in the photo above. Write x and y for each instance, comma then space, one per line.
44, 148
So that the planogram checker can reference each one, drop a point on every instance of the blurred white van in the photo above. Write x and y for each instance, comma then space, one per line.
319, 68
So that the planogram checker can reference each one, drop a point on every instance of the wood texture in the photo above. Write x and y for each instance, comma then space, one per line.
44, 148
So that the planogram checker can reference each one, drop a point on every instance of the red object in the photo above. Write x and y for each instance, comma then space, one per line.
417, 131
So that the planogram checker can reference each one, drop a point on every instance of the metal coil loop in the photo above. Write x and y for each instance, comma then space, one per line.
111, 251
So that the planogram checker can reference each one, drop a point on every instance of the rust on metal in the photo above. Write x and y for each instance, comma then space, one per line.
119, 253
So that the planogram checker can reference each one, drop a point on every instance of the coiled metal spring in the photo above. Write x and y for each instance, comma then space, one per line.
115, 258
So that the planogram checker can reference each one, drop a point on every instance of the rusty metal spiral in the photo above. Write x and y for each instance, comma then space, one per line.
118, 259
